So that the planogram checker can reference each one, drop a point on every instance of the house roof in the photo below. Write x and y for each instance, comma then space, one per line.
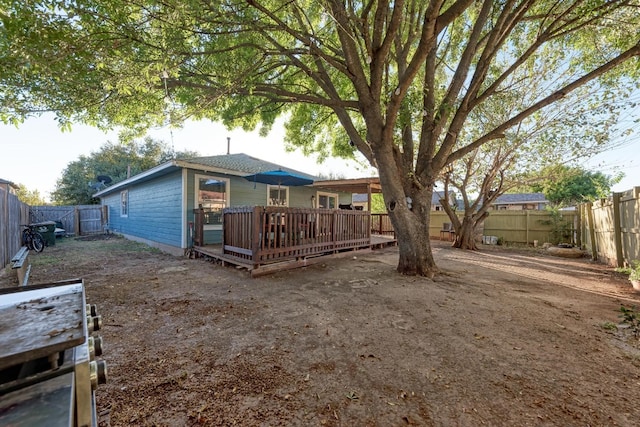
437, 195
359, 198
240, 164
520, 198
230, 164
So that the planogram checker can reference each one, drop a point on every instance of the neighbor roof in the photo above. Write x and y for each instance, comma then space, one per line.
518, 198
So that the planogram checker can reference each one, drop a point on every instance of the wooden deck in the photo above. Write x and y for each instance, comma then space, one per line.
265, 239
216, 253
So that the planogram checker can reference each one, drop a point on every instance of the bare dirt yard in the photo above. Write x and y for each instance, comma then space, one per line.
503, 337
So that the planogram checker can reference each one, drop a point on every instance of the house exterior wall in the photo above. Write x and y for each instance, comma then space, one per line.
160, 210
154, 212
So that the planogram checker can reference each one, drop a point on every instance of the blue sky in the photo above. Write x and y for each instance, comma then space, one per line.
36, 153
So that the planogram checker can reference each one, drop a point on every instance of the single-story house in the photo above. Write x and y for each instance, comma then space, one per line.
439, 195
157, 206
520, 202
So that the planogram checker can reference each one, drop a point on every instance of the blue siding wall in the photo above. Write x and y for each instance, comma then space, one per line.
155, 210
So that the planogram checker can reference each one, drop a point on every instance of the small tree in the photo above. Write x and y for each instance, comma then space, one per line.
560, 227
30, 197
567, 186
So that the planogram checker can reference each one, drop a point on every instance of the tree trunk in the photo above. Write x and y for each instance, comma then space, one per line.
408, 204
411, 224
465, 236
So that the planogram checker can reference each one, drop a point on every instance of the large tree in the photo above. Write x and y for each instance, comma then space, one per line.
396, 81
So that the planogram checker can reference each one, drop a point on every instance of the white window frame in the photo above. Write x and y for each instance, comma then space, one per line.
276, 187
334, 195
196, 189
124, 203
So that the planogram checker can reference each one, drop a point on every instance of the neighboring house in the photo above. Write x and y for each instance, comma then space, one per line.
156, 206
520, 202
360, 201
438, 195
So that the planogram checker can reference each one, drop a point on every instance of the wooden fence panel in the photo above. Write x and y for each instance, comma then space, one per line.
64, 214
528, 226
604, 234
630, 224
511, 226
76, 220
611, 228
13, 213
90, 219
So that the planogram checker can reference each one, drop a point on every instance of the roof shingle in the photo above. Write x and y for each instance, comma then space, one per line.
243, 163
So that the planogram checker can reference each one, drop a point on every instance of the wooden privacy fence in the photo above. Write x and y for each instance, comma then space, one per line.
610, 228
13, 213
528, 226
524, 226
77, 220
259, 235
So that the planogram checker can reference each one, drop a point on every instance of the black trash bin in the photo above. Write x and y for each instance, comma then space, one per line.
48, 231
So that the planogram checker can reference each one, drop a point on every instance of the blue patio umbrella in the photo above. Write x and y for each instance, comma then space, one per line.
279, 177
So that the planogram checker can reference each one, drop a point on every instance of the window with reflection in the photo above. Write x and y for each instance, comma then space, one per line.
327, 201
278, 196
212, 197
124, 203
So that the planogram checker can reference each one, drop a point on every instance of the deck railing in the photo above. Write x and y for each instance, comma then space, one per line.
381, 224
259, 235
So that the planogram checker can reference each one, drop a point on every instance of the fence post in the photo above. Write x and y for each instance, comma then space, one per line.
617, 229
105, 218
592, 232
257, 229
76, 219
578, 226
